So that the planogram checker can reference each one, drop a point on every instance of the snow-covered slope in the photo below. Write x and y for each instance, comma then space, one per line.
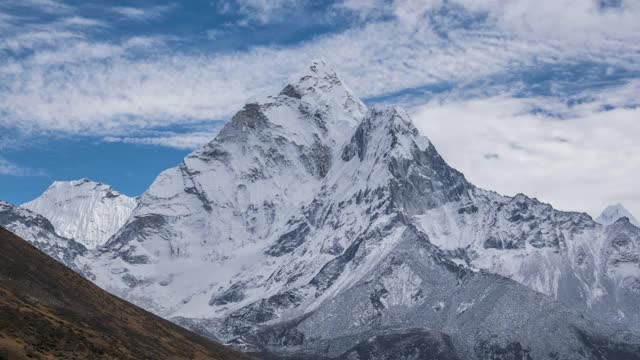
39, 232
311, 224
613, 213
84, 210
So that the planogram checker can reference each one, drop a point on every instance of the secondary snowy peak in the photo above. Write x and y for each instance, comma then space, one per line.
83, 210
419, 179
613, 213
383, 133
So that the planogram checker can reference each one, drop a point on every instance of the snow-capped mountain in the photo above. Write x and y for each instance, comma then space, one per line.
312, 225
83, 210
613, 213
39, 231
202, 222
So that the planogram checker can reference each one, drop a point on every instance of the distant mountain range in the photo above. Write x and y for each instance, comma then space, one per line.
313, 227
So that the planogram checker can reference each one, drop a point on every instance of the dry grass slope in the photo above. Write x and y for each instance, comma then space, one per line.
49, 312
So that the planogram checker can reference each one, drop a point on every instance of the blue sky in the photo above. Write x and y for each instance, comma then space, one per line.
539, 97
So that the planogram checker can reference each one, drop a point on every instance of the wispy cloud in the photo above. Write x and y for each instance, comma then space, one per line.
70, 83
188, 141
7, 21
48, 6
100, 86
11, 169
186, 137
569, 20
80, 21
260, 11
140, 13
496, 78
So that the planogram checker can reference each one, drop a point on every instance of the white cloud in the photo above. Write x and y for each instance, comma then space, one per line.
188, 141
575, 20
213, 34
412, 12
11, 169
582, 163
364, 9
72, 84
7, 21
85, 52
578, 21
130, 12
42, 40
81, 21
260, 11
101, 88
49, 6
146, 13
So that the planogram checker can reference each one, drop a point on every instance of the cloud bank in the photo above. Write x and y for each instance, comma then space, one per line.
582, 162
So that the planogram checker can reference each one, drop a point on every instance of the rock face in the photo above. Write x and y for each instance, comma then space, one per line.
83, 210
312, 227
613, 213
39, 232
568, 256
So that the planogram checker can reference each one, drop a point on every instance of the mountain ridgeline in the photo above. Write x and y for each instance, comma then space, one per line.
313, 227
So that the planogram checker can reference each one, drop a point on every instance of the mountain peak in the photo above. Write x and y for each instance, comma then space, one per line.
319, 86
315, 107
84, 210
615, 212
84, 183
318, 76
385, 130
317, 69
